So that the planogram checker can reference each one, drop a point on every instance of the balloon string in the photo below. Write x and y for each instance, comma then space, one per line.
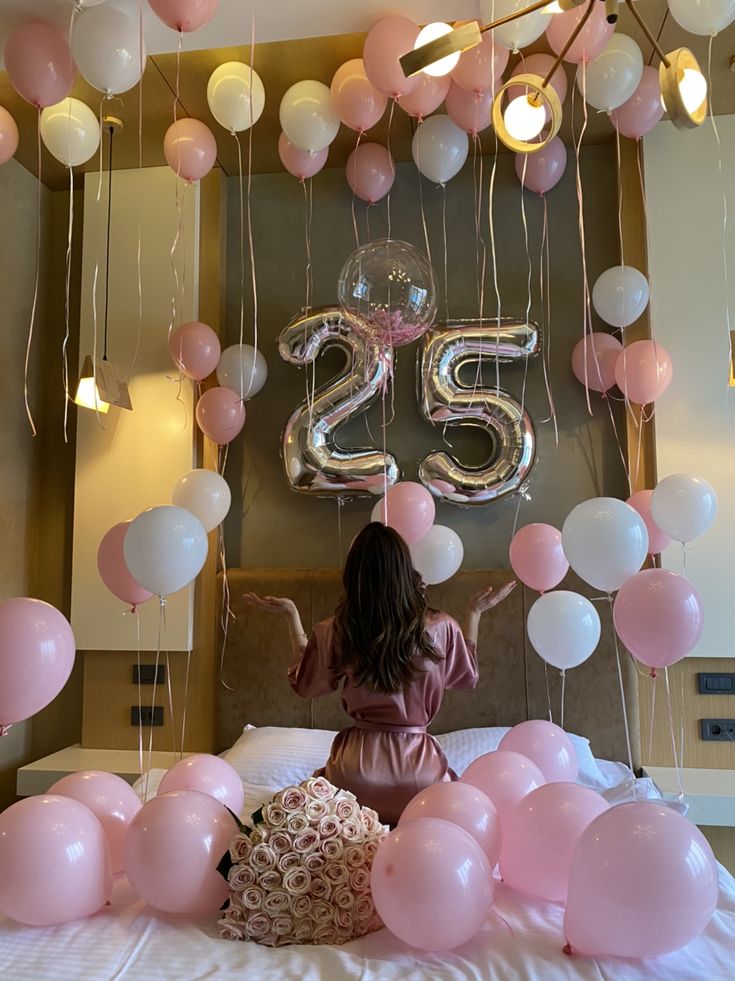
677, 767
186, 702
545, 291
653, 716
354, 198
307, 247
494, 257
242, 255
95, 277
340, 502
139, 265
250, 213
171, 702
178, 73
548, 691
140, 695
528, 279
36, 287
681, 720
421, 198
725, 269
161, 608
618, 443
390, 157
226, 613
446, 255
586, 320
620, 197
67, 300
623, 703
563, 685
172, 254
480, 252
644, 201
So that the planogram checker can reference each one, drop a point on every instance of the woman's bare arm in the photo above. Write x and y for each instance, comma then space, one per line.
480, 603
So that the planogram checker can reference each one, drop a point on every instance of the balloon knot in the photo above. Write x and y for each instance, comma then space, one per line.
567, 949
4, 730
133, 609
653, 672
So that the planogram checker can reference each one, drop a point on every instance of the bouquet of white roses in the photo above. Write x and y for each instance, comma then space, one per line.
302, 874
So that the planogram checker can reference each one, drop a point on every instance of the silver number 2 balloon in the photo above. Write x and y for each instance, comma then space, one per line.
450, 398
313, 460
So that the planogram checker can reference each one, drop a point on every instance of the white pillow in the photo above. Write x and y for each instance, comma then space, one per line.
273, 756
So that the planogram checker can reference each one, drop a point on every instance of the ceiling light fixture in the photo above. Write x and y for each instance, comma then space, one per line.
522, 121
100, 384
431, 33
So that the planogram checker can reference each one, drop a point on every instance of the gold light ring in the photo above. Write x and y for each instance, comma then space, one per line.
670, 79
546, 93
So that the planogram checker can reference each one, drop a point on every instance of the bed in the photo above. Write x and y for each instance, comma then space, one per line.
288, 737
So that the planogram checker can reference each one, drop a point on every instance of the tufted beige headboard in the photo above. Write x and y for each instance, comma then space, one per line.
512, 684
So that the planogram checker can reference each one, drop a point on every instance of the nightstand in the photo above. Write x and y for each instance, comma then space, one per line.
709, 793
37, 777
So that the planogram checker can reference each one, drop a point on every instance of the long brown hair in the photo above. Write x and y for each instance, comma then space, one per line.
379, 624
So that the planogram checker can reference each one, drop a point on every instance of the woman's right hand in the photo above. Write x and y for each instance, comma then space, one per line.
281, 605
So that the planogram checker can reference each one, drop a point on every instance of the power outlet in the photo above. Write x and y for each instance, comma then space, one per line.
145, 717
718, 730
147, 674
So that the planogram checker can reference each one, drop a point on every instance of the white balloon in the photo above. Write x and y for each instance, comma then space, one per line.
165, 549
439, 148
70, 132
307, 116
243, 369
684, 506
438, 555
518, 33
605, 541
106, 47
703, 16
614, 75
620, 295
205, 494
236, 96
564, 628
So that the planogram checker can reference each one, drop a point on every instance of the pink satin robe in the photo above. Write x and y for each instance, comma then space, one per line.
387, 756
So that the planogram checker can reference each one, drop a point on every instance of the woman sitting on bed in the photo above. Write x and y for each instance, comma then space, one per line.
394, 658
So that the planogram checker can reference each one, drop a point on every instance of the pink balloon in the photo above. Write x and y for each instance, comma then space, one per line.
390, 39
592, 38
427, 96
37, 650
544, 169
432, 884
39, 63
643, 882
190, 149
184, 15
506, 778
355, 99
112, 801
195, 350
172, 851
480, 68
657, 540
408, 508
643, 371
471, 111
55, 861
537, 558
546, 745
220, 414
113, 571
300, 163
370, 172
539, 842
209, 775
463, 805
659, 617
8, 135
540, 64
593, 361
643, 110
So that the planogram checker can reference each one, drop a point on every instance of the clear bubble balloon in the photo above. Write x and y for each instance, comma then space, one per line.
386, 289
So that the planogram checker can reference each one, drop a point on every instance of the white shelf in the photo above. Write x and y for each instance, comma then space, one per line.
709, 793
37, 777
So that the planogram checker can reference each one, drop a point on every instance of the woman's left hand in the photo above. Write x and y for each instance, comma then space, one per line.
487, 598
271, 604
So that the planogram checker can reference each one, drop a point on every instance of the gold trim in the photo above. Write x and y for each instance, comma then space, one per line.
546, 93
670, 77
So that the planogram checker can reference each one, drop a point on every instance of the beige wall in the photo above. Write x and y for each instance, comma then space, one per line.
35, 477
269, 525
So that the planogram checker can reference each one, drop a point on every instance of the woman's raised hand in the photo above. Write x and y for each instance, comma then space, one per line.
271, 604
487, 598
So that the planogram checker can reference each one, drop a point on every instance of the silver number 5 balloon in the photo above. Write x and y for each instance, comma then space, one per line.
449, 398
313, 460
